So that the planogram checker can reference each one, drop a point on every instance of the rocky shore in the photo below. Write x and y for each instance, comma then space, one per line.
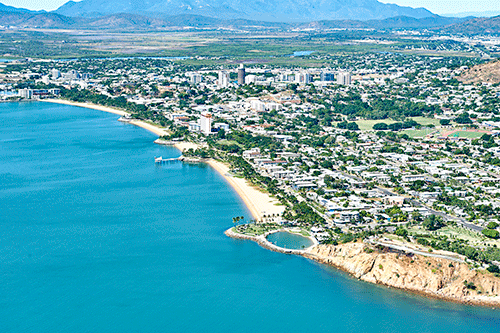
427, 276
434, 277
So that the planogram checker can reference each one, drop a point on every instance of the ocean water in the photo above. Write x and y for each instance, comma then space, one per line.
95, 238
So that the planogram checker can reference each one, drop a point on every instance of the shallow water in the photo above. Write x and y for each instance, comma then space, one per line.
95, 238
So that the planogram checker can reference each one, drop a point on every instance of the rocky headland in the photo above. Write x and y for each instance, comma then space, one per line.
434, 277
429, 276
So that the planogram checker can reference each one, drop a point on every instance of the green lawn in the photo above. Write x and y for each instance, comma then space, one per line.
259, 229
466, 134
426, 121
367, 124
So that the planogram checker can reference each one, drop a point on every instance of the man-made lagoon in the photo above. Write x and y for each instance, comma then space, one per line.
289, 240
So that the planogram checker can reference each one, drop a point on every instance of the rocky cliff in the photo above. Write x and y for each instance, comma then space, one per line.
433, 277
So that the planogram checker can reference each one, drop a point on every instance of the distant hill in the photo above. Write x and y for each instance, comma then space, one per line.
127, 21
5, 8
411, 22
389, 23
261, 10
476, 26
489, 72
36, 20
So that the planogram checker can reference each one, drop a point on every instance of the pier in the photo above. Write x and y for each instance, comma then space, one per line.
161, 160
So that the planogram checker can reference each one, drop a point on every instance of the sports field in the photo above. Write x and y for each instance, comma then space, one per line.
469, 134
367, 124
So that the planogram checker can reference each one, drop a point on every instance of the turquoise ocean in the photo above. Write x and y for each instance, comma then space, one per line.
94, 237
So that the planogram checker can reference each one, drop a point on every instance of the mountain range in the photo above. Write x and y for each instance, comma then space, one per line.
5, 8
126, 21
79, 15
260, 10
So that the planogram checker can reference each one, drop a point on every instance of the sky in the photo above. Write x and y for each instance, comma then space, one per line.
435, 6
35, 4
450, 6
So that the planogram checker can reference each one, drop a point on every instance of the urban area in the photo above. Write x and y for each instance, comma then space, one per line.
398, 150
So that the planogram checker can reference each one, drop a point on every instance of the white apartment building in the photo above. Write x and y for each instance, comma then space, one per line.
206, 123
344, 78
224, 79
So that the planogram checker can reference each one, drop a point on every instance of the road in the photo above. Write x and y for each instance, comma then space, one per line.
414, 251
446, 217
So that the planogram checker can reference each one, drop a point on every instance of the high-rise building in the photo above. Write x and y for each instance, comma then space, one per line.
26, 93
344, 78
206, 123
55, 74
241, 75
324, 76
195, 78
303, 78
223, 81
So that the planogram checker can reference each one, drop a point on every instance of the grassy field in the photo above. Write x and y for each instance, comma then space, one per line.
466, 134
426, 121
367, 125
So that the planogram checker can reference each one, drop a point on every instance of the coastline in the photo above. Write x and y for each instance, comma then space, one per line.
262, 241
147, 126
258, 202
86, 105
424, 276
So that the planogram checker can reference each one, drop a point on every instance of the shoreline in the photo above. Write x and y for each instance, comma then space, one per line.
139, 123
262, 241
257, 202
260, 204
357, 271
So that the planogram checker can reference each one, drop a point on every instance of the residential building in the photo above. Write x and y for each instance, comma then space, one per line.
344, 78
224, 79
206, 123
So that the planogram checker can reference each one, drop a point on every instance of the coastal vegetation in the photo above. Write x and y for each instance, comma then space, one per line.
403, 157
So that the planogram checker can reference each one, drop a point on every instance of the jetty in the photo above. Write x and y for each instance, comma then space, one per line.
161, 160
125, 119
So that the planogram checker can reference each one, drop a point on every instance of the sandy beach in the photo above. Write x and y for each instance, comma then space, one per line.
87, 105
147, 126
259, 203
